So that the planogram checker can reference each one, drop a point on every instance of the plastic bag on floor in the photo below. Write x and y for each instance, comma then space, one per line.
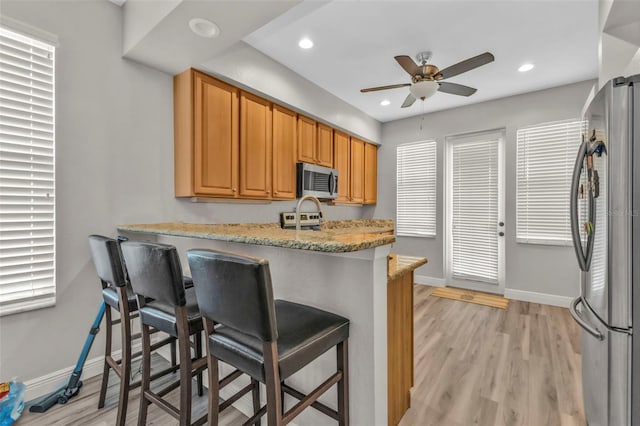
11, 402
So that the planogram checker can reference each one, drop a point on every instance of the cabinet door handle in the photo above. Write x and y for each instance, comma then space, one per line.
234, 189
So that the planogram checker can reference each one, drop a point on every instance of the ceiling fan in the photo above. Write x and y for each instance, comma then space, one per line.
427, 79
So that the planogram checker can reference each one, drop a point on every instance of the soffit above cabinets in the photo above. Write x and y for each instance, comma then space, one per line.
157, 33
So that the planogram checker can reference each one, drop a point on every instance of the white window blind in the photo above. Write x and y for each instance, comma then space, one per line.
475, 209
27, 198
546, 156
416, 189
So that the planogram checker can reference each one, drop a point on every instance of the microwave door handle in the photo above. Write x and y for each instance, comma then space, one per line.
573, 207
332, 184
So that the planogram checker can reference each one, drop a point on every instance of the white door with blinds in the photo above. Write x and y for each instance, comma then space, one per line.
475, 211
27, 206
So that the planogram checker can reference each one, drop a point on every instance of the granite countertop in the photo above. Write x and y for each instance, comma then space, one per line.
399, 265
338, 236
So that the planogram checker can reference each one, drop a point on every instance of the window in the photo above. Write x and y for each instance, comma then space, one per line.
27, 190
546, 155
416, 185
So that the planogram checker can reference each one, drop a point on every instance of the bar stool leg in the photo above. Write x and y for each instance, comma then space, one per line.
146, 374
272, 379
173, 353
107, 354
184, 346
342, 350
198, 343
125, 371
255, 395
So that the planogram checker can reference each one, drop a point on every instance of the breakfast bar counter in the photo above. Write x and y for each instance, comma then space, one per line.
337, 236
342, 268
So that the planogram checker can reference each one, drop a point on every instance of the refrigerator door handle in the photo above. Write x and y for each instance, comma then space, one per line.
573, 206
592, 330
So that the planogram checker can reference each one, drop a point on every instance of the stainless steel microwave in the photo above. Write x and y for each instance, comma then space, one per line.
321, 182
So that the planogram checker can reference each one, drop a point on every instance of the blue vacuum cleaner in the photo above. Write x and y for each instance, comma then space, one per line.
62, 395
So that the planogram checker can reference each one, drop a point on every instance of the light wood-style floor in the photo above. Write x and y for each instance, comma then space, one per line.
475, 365
82, 410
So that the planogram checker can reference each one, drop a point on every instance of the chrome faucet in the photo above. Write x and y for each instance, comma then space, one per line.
302, 200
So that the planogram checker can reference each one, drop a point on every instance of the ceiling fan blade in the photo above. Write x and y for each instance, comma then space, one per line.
456, 89
408, 101
408, 64
392, 86
467, 65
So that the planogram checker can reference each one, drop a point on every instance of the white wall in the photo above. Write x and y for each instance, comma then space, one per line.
537, 268
246, 66
114, 165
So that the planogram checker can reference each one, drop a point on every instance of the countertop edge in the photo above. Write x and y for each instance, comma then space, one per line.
403, 265
322, 246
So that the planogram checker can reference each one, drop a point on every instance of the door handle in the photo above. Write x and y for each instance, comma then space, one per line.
501, 233
581, 321
573, 207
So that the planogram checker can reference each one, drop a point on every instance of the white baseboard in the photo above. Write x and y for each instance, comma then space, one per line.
425, 280
542, 298
48, 383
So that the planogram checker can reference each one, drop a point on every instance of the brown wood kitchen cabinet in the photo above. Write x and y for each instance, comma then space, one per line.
205, 136
324, 145
255, 146
315, 142
306, 139
284, 153
370, 173
342, 162
229, 143
357, 170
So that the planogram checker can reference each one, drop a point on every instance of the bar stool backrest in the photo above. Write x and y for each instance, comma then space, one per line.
235, 291
155, 272
107, 260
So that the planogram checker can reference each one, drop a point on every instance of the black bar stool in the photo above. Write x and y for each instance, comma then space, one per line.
119, 296
164, 303
267, 340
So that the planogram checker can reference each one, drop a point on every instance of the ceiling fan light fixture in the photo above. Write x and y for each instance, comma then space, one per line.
424, 89
385, 102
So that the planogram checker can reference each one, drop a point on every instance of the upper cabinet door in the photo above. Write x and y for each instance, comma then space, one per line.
357, 170
215, 137
255, 146
306, 139
342, 162
324, 146
284, 153
370, 173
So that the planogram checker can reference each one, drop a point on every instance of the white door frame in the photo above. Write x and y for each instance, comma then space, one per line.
499, 134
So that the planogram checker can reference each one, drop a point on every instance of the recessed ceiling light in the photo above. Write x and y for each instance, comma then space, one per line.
305, 43
525, 67
385, 102
204, 28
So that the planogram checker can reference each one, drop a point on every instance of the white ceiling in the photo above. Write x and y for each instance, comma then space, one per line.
355, 43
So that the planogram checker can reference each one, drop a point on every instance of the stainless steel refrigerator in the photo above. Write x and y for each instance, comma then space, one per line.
605, 224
